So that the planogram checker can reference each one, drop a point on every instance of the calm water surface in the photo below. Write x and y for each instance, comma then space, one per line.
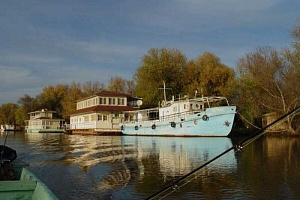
129, 167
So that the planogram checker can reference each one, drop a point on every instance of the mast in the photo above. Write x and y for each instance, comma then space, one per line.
164, 88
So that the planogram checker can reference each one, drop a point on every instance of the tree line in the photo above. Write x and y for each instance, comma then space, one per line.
267, 80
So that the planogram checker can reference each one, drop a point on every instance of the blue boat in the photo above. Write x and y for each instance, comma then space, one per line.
199, 116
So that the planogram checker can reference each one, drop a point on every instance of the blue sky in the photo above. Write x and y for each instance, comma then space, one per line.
59, 41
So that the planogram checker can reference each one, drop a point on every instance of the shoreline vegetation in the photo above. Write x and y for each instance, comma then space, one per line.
265, 84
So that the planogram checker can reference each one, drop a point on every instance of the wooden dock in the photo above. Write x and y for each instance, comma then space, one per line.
93, 132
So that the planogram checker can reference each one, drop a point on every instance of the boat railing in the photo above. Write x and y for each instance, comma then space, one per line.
174, 116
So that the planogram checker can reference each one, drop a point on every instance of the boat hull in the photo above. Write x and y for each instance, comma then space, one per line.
45, 130
216, 121
26, 186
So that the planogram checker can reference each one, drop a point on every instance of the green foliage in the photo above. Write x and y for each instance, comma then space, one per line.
158, 66
21, 115
89, 88
118, 84
7, 113
267, 83
52, 97
208, 76
68, 103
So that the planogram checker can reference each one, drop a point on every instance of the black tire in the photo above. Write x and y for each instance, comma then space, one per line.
173, 124
205, 118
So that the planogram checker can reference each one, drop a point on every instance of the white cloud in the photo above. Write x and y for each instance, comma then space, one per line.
53, 42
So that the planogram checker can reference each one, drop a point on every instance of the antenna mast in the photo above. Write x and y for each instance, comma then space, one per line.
164, 88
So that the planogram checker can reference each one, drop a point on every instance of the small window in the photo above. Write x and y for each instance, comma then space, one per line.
104, 117
99, 117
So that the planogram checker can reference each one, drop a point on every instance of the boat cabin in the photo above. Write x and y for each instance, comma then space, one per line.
44, 121
180, 107
102, 112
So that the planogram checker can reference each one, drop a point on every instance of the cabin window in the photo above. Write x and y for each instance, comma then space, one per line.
123, 102
86, 118
110, 101
99, 117
104, 101
191, 106
201, 107
104, 117
119, 101
114, 101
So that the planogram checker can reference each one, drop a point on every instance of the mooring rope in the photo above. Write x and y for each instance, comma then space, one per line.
238, 147
248, 121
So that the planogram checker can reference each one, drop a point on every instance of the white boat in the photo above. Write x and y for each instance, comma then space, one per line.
44, 121
10, 127
199, 116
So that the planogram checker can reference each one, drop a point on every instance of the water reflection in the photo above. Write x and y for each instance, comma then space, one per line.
129, 167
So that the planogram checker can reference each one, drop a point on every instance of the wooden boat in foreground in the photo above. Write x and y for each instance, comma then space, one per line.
25, 186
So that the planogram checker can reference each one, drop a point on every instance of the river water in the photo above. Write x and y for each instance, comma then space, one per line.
130, 167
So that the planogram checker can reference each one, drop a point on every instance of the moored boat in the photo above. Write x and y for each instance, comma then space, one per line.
18, 182
44, 121
10, 127
202, 116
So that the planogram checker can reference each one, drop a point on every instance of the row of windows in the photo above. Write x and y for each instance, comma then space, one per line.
92, 118
37, 123
101, 101
192, 106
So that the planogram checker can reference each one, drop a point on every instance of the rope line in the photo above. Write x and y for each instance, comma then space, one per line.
248, 121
